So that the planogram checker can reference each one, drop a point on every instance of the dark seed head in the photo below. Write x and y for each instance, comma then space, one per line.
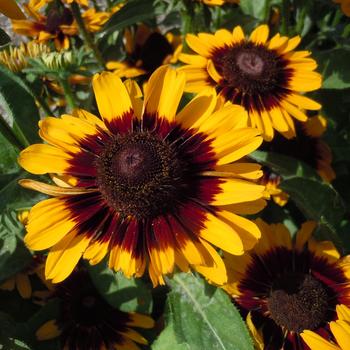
139, 174
298, 302
250, 63
57, 16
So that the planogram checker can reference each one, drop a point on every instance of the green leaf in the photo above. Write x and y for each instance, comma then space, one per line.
8, 157
4, 38
167, 340
14, 256
125, 294
318, 201
20, 106
204, 316
133, 12
14, 196
257, 9
333, 65
283, 165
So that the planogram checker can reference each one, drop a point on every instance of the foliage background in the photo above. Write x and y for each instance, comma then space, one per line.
190, 314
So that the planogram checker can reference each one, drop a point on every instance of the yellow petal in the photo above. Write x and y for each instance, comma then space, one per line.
217, 273
341, 332
48, 330
164, 92
237, 34
24, 286
199, 46
220, 234
48, 223
343, 312
64, 256
246, 229
195, 60
237, 191
113, 100
316, 342
199, 108
304, 234
260, 34
42, 159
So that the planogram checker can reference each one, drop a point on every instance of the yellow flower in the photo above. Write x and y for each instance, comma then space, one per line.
146, 50
58, 25
86, 321
10, 9
287, 287
151, 186
265, 76
340, 338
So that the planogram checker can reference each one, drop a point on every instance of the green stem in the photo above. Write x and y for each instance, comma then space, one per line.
9, 134
86, 35
68, 93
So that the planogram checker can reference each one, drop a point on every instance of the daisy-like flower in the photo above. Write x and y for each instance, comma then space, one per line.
21, 280
11, 10
287, 287
148, 185
265, 76
307, 146
146, 50
340, 337
344, 5
271, 181
86, 321
57, 23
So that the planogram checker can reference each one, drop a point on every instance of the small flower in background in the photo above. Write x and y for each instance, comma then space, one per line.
21, 281
87, 321
265, 76
150, 189
307, 146
287, 287
146, 50
345, 6
17, 58
11, 10
57, 23
271, 181
340, 337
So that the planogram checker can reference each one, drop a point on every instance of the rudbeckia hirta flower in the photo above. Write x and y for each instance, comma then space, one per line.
339, 339
86, 321
265, 76
57, 23
146, 50
151, 186
307, 146
287, 287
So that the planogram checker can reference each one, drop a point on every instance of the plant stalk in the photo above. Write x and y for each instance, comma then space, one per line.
86, 35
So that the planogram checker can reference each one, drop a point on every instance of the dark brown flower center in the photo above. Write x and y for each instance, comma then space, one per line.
139, 174
250, 63
298, 302
249, 67
57, 16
